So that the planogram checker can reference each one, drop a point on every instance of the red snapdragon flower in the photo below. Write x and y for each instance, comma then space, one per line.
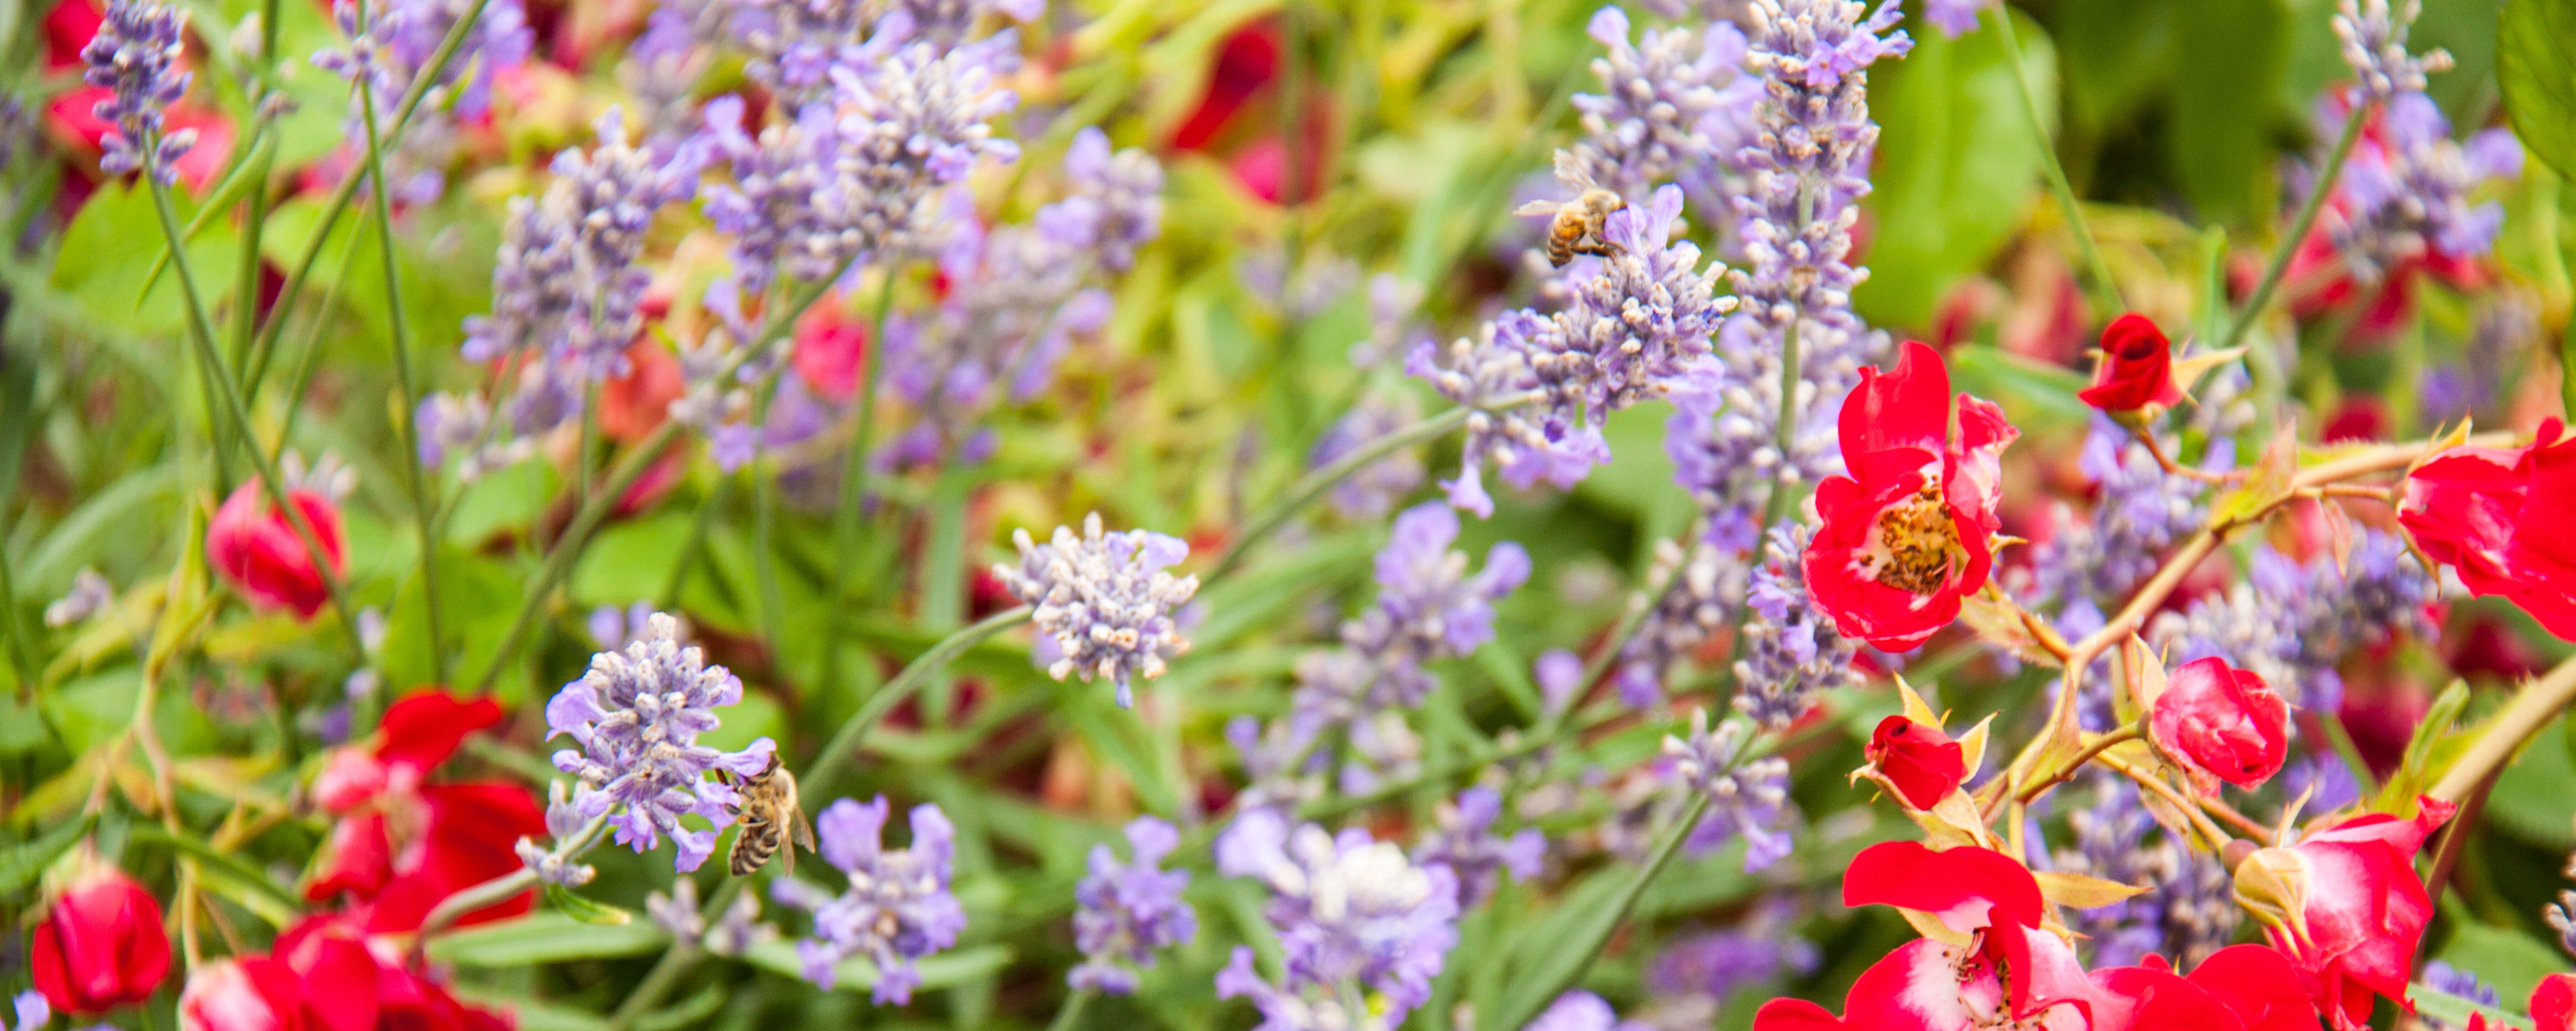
1909, 533
100, 945
2223, 723
249, 993
2359, 908
1919, 759
2498, 516
401, 846
256, 547
354, 981
2136, 368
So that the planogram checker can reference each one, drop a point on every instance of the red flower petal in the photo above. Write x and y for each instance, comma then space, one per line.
2553, 1003
2261, 985
1923, 763
2136, 369
1965, 888
422, 730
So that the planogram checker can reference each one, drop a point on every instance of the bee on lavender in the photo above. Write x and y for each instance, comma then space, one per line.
770, 813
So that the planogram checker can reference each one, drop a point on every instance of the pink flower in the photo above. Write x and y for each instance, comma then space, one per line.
831, 353
2500, 517
100, 945
354, 981
401, 847
2223, 723
252, 993
2360, 908
1909, 533
256, 548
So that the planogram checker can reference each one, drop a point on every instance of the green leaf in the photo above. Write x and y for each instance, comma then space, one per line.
2230, 57
480, 596
945, 970
1957, 165
2536, 67
107, 251
275, 900
2031, 390
546, 937
2426, 759
575, 906
2454, 1011
2513, 963
21, 864
2535, 797
537, 1014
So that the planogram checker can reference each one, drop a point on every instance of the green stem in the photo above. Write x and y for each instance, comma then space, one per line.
338, 203
1305, 491
404, 432
1784, 434
559, 558
1069, 1016
1567, 964
657, 983
2288, 246
817, 778
696, 542
9, 626
202, 334
2107, 289
764, 561
848, 503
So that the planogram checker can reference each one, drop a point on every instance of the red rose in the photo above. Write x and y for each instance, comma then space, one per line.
100, 946
402, 847
2221, 722
2553, 1003
252, 993
2497, 515
1245, 63
357, 982
2136, 368
1910, 531
2361, 908
1923, 763
255, 546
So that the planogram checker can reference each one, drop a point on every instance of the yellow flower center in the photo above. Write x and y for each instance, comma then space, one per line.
1915, 545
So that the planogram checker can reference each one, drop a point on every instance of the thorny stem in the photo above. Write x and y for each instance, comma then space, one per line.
202, 334
848, 506
630, 468
2199, 821
2107, 288
2171, 467
406, 433
845, 741
2097, 746
2288, 246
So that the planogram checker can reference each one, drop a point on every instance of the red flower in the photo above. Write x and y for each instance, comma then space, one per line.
252, 993
400, 847
101, 945
831, 354
1245, 63
2221, 722
2553, 1003
2136, 368
1909, 532
2360, 908
633, 405
255, 546
1923, 763
2499, 516
357, 982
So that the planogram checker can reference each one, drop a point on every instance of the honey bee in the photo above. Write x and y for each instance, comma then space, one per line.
1576, 228
769, 812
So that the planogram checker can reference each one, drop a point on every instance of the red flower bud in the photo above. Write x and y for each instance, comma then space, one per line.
256, 547
254, 993
2222, 722
1921, 761
101, 945
2136, 368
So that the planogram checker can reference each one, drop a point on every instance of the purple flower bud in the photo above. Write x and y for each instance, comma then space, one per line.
1129, 912
897, 908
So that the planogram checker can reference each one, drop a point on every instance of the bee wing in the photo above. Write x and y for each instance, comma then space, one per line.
1571, 171
803, 829
1542, 207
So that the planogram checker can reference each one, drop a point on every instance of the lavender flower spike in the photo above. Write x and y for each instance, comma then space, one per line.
31, 1009
637, 715
1463, 840
1744, 799
1350, 912
2373, 34
1580, 1010
1673, 101
1128, 912
897, 908
1104, 599
1791, 653
1427, 606
135, 58
1955, 18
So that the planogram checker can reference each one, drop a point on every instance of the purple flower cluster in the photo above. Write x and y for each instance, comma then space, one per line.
556, 865
135, 57
950, 20
1104, 601
1955, 18
2408, 197
1428, 606
2140, 511
1018, 295
637, 715
1129, 912
1462, 839
1672, 103
2373, 35
897, 908
1746, 799
1580, 1010
1791, 653
2293, 623
1701, 589
1375, 490
1635, 325
1352, 914
1711, 966
392, 48
2188, 910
